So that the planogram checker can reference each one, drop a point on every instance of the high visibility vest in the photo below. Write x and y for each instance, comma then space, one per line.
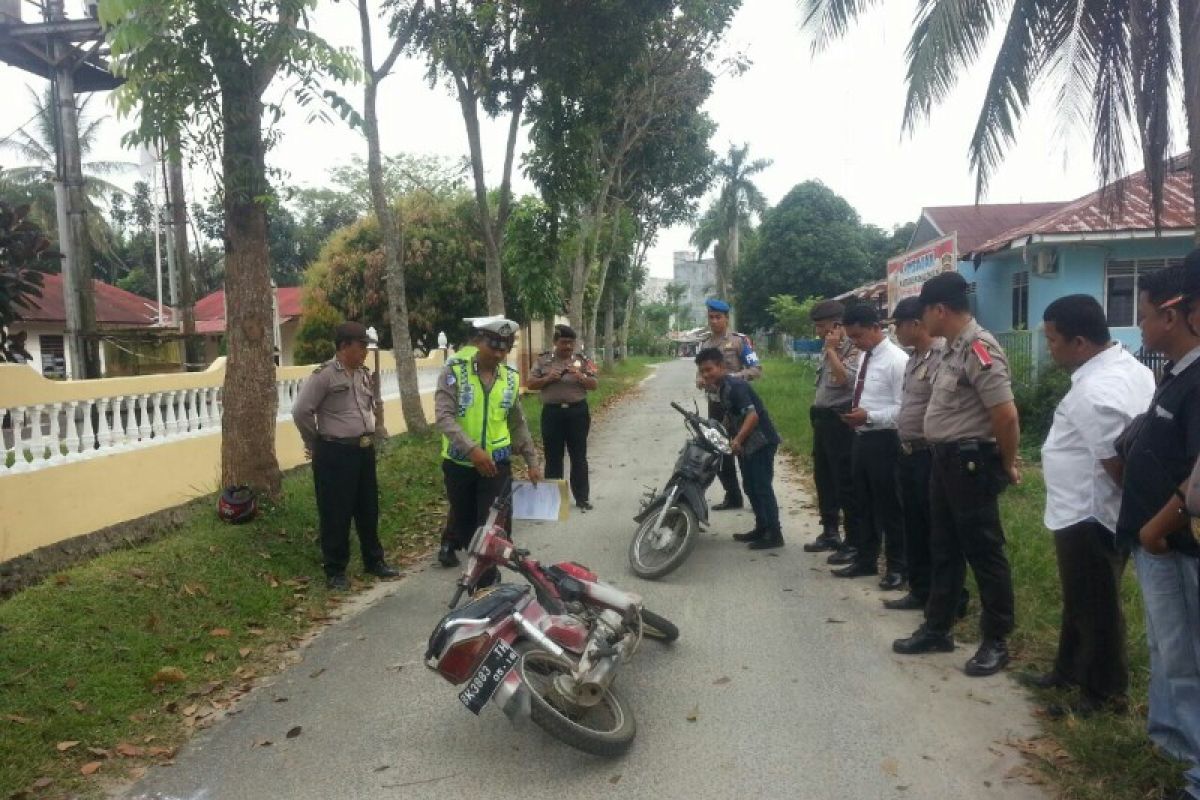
483, 413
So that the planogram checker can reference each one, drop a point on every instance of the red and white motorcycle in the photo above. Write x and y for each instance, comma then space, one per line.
549, 649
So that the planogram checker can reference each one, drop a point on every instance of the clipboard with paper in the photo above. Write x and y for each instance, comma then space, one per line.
546, 501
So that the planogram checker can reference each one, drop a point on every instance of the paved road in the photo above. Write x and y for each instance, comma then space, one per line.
787, 670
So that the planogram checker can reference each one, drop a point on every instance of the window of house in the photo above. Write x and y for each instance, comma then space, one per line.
54, 362
1020, 301
1121, 287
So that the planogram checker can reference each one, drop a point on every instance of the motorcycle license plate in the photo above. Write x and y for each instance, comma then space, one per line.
487, 679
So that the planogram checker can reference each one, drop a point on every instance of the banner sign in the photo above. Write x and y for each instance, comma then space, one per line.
908, 272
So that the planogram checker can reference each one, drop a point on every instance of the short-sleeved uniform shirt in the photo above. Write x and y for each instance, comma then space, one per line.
738, 353
918, 387
830, 392
335, 402
739, 399
566, 389
965, 391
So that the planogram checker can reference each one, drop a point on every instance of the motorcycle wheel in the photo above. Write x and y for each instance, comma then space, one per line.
606, 729
660, 628
650, 561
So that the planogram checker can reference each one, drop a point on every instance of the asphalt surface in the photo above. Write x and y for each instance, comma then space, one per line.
782, 685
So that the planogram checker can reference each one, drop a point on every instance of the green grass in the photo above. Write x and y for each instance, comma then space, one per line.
1106, 758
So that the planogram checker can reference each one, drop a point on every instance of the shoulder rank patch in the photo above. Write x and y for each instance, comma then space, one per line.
980, 349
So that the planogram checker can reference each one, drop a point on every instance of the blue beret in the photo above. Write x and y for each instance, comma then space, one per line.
717, 305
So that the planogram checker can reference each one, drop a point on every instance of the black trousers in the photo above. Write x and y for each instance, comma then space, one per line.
874, 459
470, 496
965, 529
728, 473
567, 429
1091, 644
913, 472
833, 442
758, 475
346, 487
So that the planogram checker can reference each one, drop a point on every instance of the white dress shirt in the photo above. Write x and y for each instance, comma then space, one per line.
1106, 393
882, 385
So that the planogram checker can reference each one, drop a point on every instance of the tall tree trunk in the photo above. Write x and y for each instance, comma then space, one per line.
610, 318
192, 346
393, 254
1189, 35
249, 397
548, 332
579, 275
627, 322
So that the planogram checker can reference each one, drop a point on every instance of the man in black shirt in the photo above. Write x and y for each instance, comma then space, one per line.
754, 443
1158, 451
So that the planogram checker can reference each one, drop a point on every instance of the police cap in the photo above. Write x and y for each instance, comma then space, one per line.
714, 304
827, 309
907, 309
350, 332
946, 287
497, 325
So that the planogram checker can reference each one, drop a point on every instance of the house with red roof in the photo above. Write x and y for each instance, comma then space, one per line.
210, 321
117, 312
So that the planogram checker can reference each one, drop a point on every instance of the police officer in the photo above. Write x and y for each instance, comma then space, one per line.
972, 426
741, 362
833, 439
477, 408
335, 413
564, 379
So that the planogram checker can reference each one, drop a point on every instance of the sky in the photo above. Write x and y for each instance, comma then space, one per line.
833, 117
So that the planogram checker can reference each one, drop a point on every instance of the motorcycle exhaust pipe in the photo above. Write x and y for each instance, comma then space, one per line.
534, 633
589, 691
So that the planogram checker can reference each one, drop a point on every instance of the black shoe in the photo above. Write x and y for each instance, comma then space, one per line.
750, 536
990, 658
891, 581
337, 583
823, 543
924, 640
855, 570
584, 505
846, 555
728, 504
1045, 680
446, 555
910, 602
769, 541
382, 570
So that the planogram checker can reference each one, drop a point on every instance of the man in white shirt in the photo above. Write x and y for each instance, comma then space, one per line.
1109, 387
878, 393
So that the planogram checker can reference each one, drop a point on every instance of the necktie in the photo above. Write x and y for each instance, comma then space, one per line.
862, 378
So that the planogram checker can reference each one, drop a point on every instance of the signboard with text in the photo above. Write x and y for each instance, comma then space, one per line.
908, 272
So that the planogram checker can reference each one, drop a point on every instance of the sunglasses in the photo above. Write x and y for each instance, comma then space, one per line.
498, 342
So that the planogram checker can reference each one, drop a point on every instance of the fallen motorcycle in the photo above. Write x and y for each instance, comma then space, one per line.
669, 521
549, 649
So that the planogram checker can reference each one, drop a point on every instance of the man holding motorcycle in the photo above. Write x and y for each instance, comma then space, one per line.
477, 409
754, 443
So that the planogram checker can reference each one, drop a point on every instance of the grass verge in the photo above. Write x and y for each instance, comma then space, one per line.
1101, 758
108, 666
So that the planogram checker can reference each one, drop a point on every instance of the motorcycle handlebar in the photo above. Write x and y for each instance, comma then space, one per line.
682, 410
458, 593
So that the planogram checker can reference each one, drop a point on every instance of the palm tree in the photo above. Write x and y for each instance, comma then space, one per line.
730, 213
1118, 62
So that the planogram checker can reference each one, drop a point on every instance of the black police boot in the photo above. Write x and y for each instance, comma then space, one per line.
990, 658
924, 640
380, 569
891, 581
446, 555
1045, 680
844, 555
909, 602
828, 540
584, 505
769, 541
731, 502
337, 583
749, 536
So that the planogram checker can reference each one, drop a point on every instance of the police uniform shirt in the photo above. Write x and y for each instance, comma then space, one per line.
445, 410
335, 402
738, 351
568, 388
832, 393
918, 386
964, 391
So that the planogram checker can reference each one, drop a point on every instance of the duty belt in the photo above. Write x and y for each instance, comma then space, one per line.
914, 446
954, 448
566, 405
355, 441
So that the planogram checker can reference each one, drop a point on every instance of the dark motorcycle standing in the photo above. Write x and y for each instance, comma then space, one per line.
669, 521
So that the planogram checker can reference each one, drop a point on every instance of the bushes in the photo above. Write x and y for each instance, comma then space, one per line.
1036, 400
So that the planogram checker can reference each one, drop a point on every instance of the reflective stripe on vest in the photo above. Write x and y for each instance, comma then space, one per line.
483, 413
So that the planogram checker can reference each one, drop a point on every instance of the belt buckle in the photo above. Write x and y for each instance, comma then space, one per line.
564, 405
364, 440
906, 448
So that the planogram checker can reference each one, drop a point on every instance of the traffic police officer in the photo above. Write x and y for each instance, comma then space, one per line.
972, 426
564, 379
477, 408
741, 362
335, 413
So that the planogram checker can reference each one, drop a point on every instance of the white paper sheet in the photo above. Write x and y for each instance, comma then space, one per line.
545, 500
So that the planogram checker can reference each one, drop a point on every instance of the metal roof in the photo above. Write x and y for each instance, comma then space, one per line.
114, 306
975, 224
210, 309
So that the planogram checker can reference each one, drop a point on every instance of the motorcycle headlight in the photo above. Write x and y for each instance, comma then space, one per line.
717, 440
